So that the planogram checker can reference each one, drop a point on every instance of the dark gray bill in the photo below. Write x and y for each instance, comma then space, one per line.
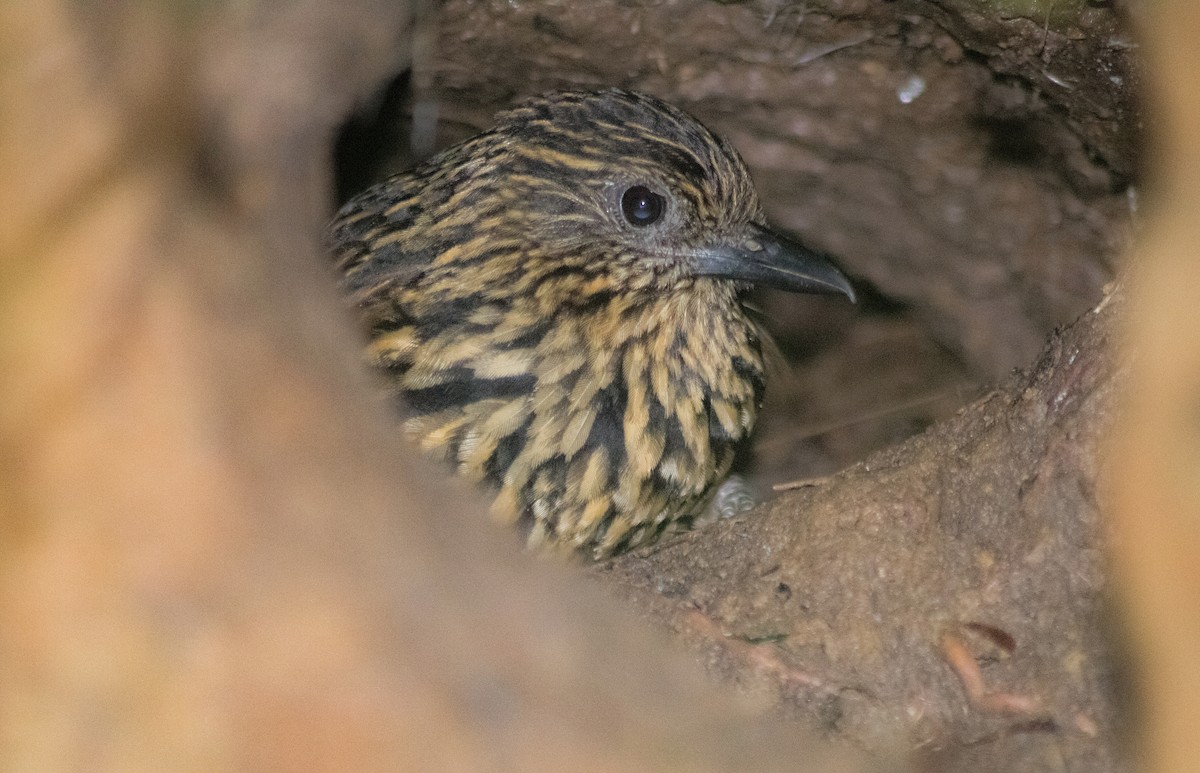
761, 256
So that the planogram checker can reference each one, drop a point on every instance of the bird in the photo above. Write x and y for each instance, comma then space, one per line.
559, 305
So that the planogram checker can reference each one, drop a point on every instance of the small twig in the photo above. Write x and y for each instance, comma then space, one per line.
962, 663
792, 485
1058, 80
816, 53
763, 656
1046, 29
423, 135
812, 430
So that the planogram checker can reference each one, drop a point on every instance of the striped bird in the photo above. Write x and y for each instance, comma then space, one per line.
557, 301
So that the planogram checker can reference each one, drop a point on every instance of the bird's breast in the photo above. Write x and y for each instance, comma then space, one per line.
597, 425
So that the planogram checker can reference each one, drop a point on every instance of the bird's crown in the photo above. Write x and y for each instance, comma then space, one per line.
616, 181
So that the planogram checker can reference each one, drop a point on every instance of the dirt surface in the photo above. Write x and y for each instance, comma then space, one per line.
1073, 54
945, 597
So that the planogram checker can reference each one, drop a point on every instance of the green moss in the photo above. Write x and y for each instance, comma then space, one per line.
766, 638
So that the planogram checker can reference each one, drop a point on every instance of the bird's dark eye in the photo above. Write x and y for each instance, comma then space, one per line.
642, 206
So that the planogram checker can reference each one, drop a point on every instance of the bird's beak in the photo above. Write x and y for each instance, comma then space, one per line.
759, 255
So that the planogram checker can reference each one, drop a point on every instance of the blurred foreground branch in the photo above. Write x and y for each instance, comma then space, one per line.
1156, 448
214, 555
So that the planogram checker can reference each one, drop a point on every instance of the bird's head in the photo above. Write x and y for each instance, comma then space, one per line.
620, 186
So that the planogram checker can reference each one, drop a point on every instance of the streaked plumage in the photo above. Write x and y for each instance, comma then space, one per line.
557, 302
